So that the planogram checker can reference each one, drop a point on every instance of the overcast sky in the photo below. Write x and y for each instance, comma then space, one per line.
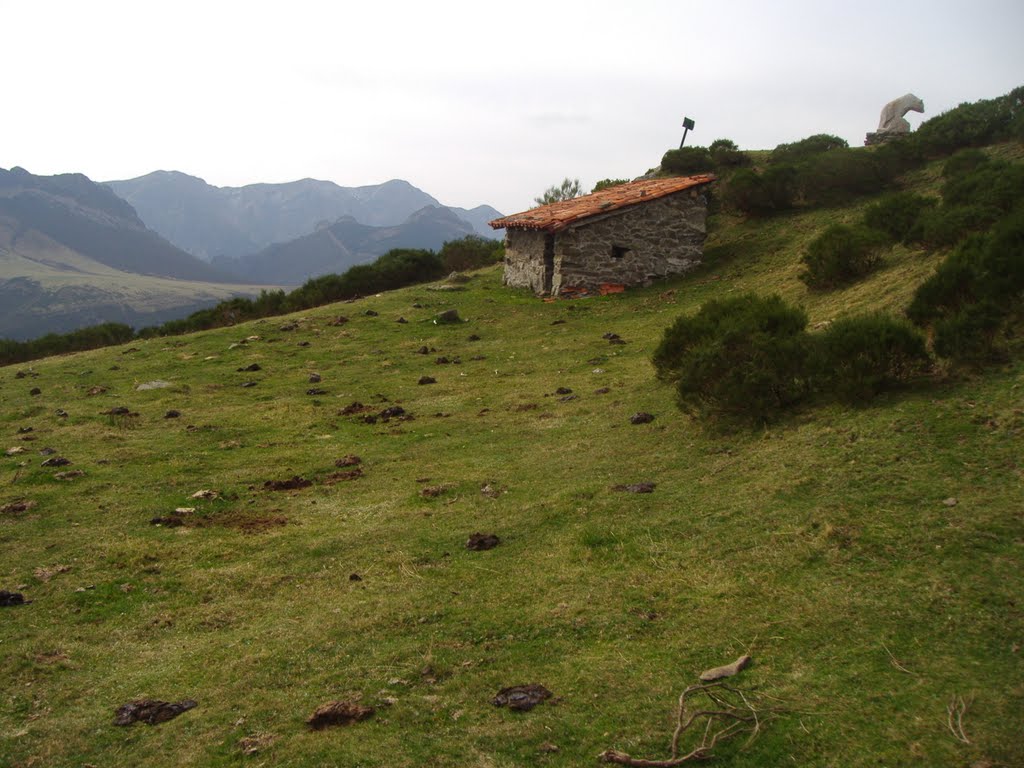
473, 102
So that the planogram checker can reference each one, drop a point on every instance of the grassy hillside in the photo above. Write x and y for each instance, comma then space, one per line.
869, 560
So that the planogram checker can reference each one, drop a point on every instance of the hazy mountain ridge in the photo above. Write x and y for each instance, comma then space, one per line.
73, 254
345, 243
212, 222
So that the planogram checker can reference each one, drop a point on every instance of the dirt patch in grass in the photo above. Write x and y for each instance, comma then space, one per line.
338, 713
342, 477
294, 483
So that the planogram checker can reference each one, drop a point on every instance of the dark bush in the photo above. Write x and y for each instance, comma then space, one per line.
688, 160
994, 184
898, 215
801, 150
976, 294
859, 357
726, 154
963, 162
740, 358
606, 183
840, 255
833, 177
972, 125
762, 194
470, 252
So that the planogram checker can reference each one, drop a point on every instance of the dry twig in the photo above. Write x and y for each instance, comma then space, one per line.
955, 711
730, 713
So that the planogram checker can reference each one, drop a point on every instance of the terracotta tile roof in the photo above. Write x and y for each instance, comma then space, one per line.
557, 216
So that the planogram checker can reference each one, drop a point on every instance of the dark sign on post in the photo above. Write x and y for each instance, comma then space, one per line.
687, 127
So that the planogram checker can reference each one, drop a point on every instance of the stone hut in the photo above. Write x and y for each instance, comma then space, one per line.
625, 235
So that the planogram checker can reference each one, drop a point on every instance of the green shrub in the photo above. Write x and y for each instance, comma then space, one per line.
994, 184
840, 255
947, 225
801, 150
833, 177
688, 160
859, 357
470, 252
726, 154
606, 183
739, 358
976, 294
761, 194
963, 162
972, 125
898, 215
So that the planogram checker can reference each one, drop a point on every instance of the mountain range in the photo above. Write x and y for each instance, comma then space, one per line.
234, 222
155, 248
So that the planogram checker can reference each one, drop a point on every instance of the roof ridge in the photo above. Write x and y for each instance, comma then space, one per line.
557, 216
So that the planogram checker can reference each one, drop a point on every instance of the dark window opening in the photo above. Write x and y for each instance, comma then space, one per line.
618, 251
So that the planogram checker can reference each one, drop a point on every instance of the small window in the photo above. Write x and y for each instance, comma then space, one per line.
618, 251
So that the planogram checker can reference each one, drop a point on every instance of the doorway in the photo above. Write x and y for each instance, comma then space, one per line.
549, 262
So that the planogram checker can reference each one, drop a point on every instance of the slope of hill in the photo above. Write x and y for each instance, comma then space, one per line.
345, 243
869, 559
230, 222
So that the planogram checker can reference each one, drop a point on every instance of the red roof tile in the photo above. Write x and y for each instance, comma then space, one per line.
557, 216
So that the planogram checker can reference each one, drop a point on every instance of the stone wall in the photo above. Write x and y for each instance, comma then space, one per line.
524, 259
633, 246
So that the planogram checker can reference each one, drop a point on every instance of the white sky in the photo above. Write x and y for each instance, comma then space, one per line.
473, 102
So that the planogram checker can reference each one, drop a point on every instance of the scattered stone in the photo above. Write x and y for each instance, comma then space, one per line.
481, 542
17, 507
433, 491
168, 521
641, 418
27, 438
568, 398
611, 336
350, 460
252, 367
521, 698
563, 391
156, 384
119, 410
401, 320
558, 322
151, 711
602, 391
423, 351
292, 326
548, 748
952, 501
97, 390
69, 475
250, 745
25, 430
302, 344
35, 391
315, 391
342, 477
45, 574
339, 320
7, 599
473, 337
636, 487
354, 408
293, 483
354, 577
14, 451
525, 407
46, 451
247, 384
205, 494
427, 380
718, 673
447, 317
314, 378
371, 313
20, 375
392, 412
338, 713
417, 305
56, 461
61, 413
490, 491
172, 414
